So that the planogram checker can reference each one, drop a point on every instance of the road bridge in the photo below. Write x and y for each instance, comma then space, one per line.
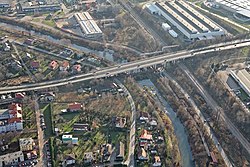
131, 66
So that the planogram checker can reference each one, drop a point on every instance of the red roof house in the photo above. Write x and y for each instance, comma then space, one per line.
35, 64
77, 68
19, 95
145, 135
75, 106
53, 65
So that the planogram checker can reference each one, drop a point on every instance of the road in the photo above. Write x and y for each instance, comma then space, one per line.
131, 154
42, 160
216, 108
206, 125
131, 66
51, 54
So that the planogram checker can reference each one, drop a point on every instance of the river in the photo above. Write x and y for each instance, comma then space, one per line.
179, 130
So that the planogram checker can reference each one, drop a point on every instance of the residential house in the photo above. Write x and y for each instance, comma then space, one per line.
142, 154
77, 68
6, 47
81, 127
69, 160
157, 161
64, 66
106, 151
153, 123
119, 122
69, 139
144, 117
75, 107
11, 119
26, 144
30, 41
53, 65
146, 136
34, 65
19, 95
120, 152
11, 158
88, 158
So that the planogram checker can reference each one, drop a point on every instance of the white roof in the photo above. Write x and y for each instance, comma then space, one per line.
244, 12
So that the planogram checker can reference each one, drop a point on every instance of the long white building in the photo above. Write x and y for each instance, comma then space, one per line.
189, 21
88, 25
240, 8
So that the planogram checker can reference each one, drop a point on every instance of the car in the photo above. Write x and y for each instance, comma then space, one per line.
41, 115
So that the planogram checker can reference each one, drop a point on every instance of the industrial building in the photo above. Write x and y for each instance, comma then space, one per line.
88, 25
29, 6
242, 77
240, 8
186, 19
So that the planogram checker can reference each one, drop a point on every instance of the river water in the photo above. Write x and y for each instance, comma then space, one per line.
101, 54
185, 150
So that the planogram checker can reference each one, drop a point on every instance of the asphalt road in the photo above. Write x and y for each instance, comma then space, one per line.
117, 69
131, 154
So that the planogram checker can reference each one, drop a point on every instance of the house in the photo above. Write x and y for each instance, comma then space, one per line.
157, 161
11, 119
19, 95
74, 107
153, 123
81, 127
144, 117
88, 157
6, 47
11, 158
106, 151
142, 155
30, 41
120, 152
119, 122
64, 66
69, 160
69, 139
77, 68
53, 65
146, 136
26, 144
34, 65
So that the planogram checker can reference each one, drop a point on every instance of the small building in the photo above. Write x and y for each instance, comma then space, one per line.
11, 158
166, 26
53, 65
75, 107
34, 65
120, 152
77, 68
69, 160
173, 33
144, 117
26, 144
157, 161
64, 66
69, 139
119, 122
142, 154
19, 95
146, 136
153, 123
81, 127
88, 157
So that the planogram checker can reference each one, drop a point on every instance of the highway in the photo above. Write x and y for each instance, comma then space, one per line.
216, 108
117, 69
